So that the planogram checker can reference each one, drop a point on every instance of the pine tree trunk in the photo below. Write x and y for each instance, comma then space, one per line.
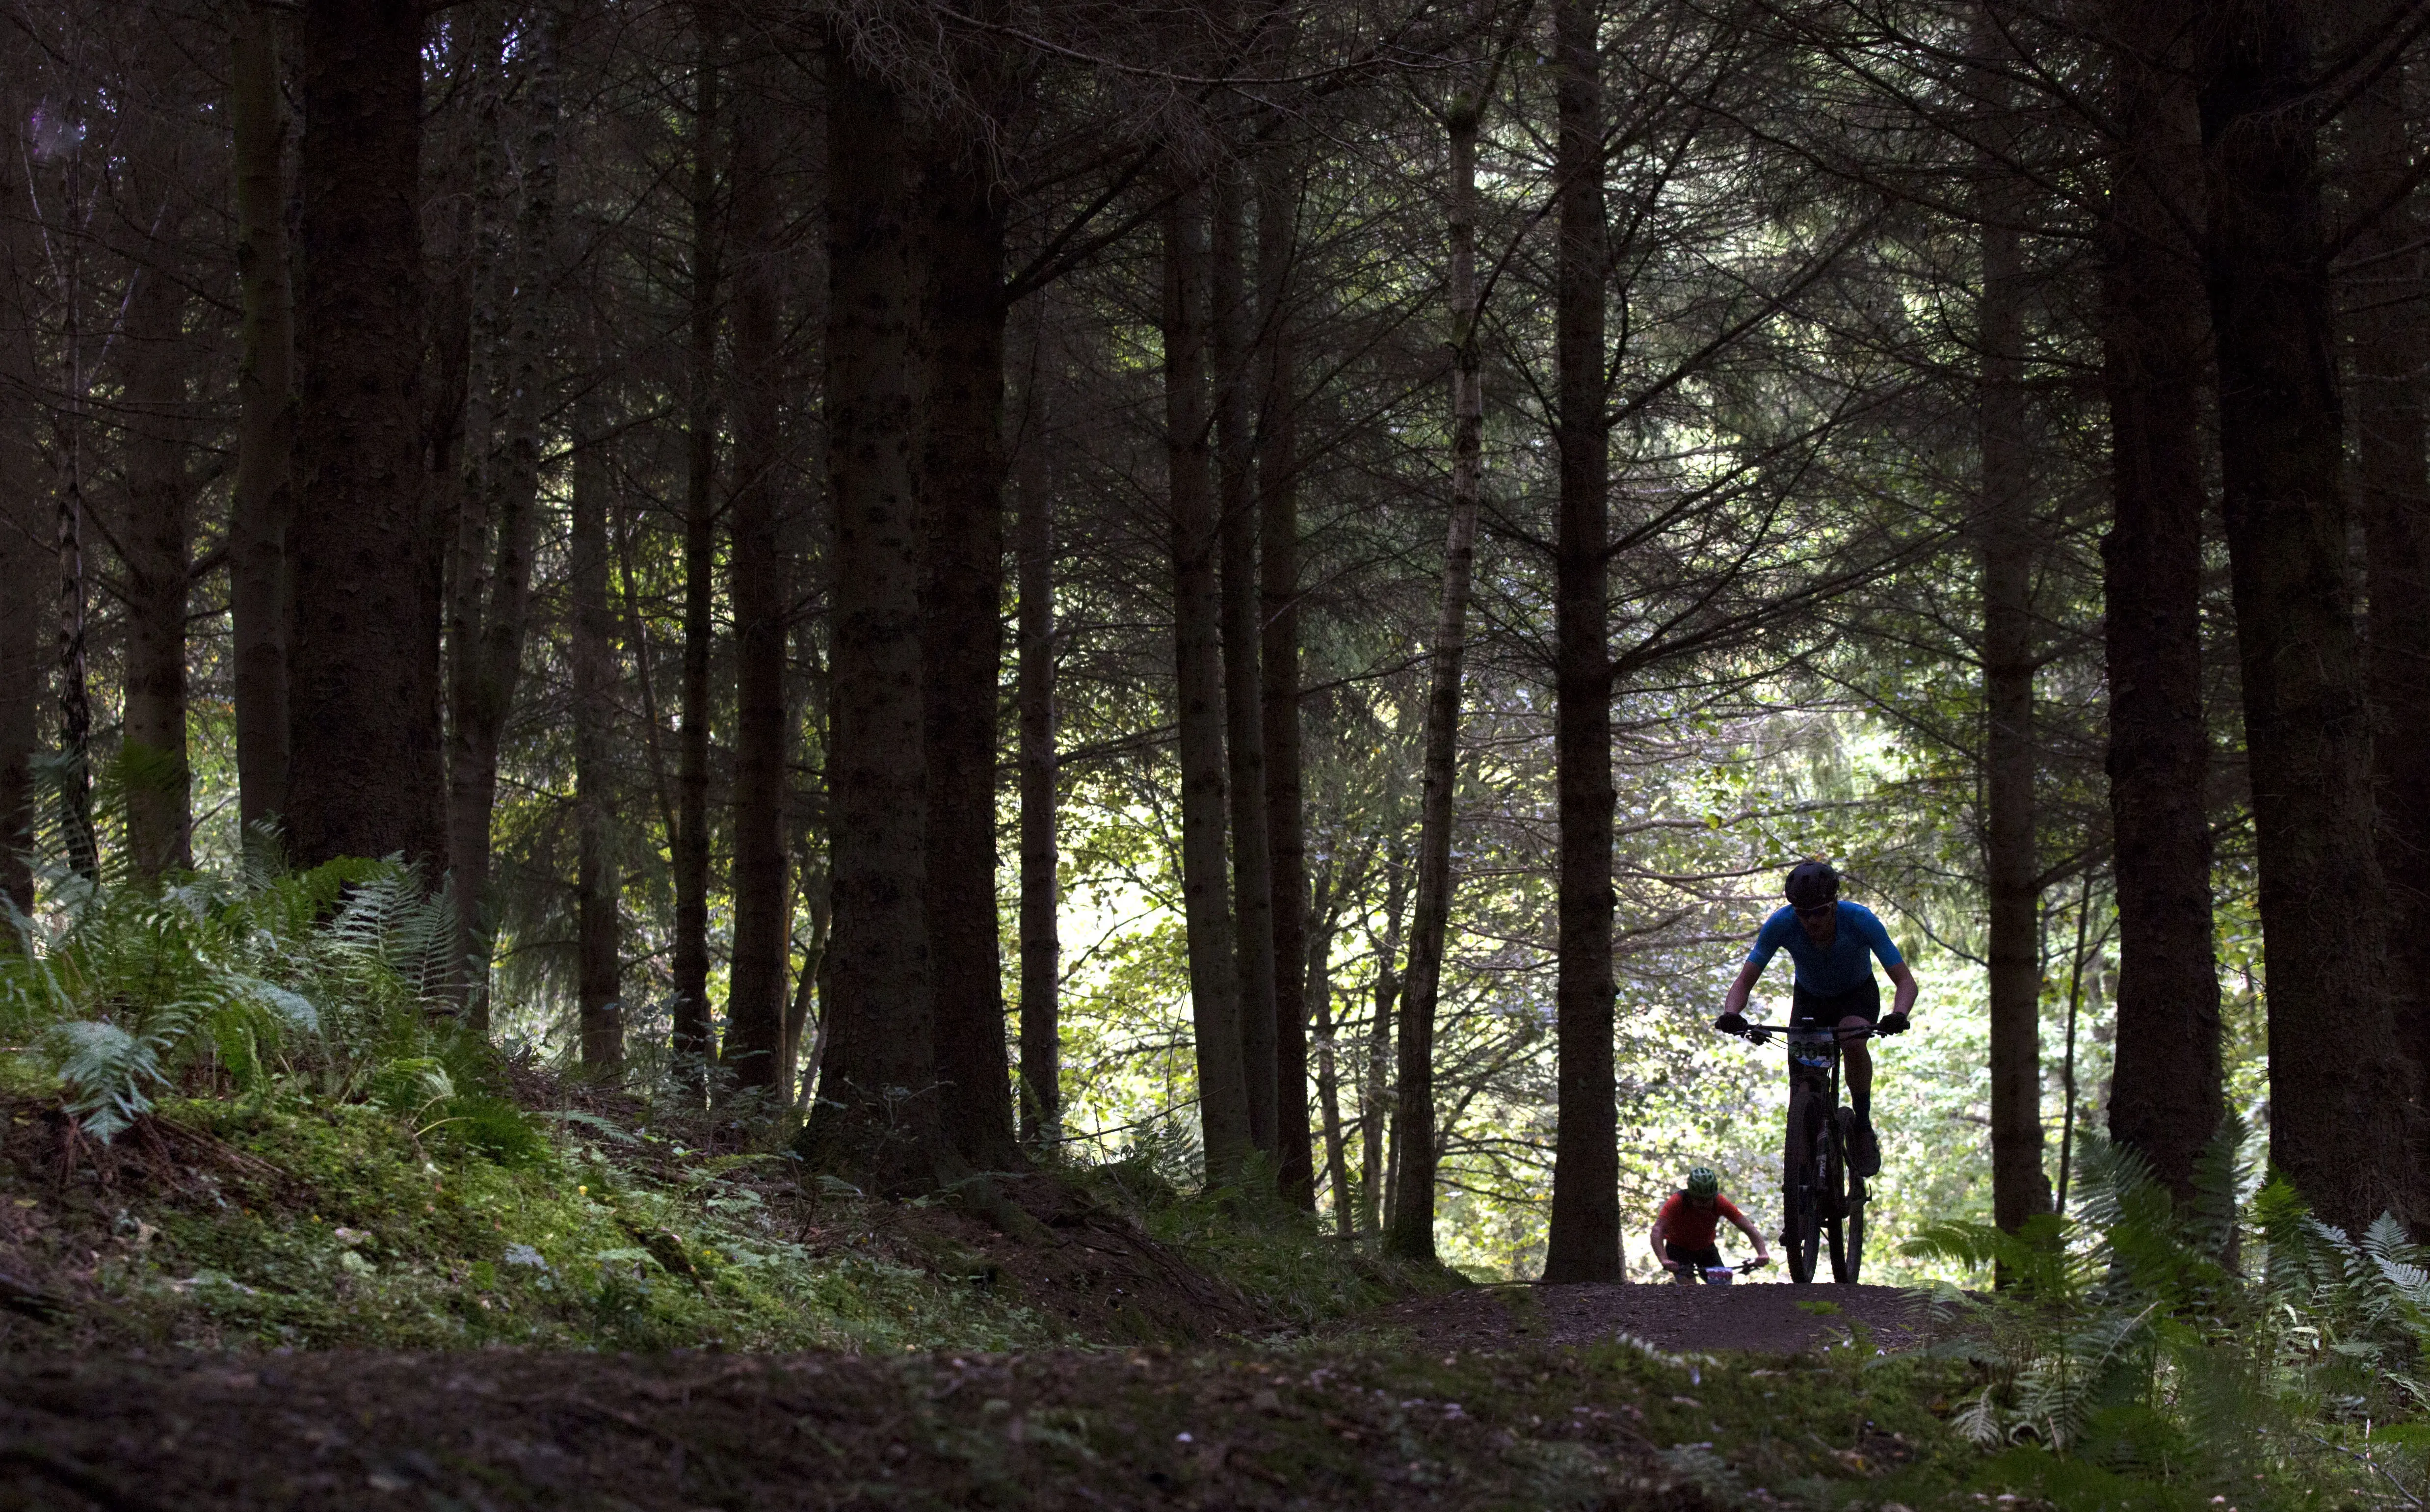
753, 1052
1376, 1091
1244, 722
1328, 1079
598, 966
1584, 1242
1198, 659
2167, 1094
264, 503
2344, 1107
962, 229
491, 590
1041, 964
25, 567
1413, 1131
2005, 536
2389, 341
878, 1119
1278, 662
156, 545
366, 776
690, 1035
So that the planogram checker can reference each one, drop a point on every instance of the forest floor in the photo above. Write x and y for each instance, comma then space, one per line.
306, 1304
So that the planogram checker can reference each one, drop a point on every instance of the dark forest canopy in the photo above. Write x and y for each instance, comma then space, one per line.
1273, 584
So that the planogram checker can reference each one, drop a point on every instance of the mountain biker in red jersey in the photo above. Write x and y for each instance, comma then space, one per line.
1684, 1229
1833, 945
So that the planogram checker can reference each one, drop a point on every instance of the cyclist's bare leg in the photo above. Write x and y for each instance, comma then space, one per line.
1859, 1059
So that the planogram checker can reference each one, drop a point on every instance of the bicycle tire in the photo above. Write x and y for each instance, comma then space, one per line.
1800, 1190
1845, 1194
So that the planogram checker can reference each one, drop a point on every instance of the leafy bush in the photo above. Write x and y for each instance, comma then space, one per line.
2236, 1349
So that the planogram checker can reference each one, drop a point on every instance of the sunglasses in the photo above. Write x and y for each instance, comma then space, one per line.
1817, 911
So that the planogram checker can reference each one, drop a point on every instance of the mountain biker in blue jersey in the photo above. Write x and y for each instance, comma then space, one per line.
1833, 945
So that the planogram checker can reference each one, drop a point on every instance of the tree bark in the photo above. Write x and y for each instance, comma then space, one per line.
1042, 966
1198, 665
1278, 662
2344, 1107
1328, 1079
878, 1119
2388, 335
1412, 1236
25, 566
753, 1051
1584, 1242
263, 502
365, 777
2005, 536
156, 545
598, 966
2167, 1094
1375, 1093
963, 230
691, 1037
1244, 724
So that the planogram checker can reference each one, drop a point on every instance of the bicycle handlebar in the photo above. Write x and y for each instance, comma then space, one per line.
1756, 1031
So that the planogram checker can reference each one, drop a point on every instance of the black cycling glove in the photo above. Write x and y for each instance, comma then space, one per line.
1892, 1023
1731, 1023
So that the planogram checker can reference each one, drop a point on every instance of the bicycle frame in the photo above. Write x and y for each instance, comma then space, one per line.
1822, 1195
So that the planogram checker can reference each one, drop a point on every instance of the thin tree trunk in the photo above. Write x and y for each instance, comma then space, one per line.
1328, 1074
1041, 965
263, 500
2389, 339
1413, 1132
690, 1034
2067, 1066
753, 1052
963, 230
155, 545
24, 662
366, 776
1375, 1094
2167, 1090
491, 614
1198, 657
877, 1119
598, 965
2344, 1107
1244, 725
1278, 662
1584, 1242
2005, 536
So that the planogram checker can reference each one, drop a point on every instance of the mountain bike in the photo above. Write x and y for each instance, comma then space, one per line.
1714, 1275
1824, 1195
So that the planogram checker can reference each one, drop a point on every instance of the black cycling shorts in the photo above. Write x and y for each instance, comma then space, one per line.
1680, 1255
1820, 1010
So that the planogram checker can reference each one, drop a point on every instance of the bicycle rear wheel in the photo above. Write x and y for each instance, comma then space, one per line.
1844, 1195
1801, 1186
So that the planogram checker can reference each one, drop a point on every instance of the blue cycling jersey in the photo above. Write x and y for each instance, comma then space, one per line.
1843, 965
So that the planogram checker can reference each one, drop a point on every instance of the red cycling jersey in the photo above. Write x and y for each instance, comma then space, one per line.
1691, 1225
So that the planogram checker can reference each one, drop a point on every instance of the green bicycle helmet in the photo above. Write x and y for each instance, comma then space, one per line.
1703, 1184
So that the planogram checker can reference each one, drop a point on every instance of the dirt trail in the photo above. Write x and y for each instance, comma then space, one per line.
1764, 1319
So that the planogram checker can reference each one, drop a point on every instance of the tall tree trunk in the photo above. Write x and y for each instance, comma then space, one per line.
598, 968
964, 229
1278, 661
1244, 724
2167, 1090
1375, 1093
1041, 965
2389, 339
1413, 1130
1198, 667
2005, 535
877, 1118
263, 500
2344, 1107
25, 567
491, 592
366, 776
155, 545
753, 1052
1329, 1078
1584, 1242
690, 1035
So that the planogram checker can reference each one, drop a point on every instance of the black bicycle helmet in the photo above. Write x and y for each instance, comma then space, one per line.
1811, 884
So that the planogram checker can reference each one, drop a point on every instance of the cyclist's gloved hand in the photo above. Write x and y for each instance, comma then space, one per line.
1731, 1023
1892, 1023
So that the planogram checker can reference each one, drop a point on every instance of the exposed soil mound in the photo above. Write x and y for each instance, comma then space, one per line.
1768, 1319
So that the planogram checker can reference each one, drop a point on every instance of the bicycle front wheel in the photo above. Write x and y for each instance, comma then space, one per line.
1800, 1185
